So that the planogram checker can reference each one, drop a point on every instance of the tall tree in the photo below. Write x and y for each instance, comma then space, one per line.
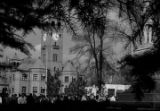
92, 18
53, 84
88, 49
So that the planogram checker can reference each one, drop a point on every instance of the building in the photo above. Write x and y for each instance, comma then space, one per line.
68, 75
52, 58
3, 80
15, 61
3, 73
29, 77
1, 53
52, 51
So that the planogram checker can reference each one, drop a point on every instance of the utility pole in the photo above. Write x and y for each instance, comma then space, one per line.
46, 71
100, 61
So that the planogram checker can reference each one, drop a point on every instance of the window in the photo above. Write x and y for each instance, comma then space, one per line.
10, 78
35, 77
12, 90
66, 79
18, 64
73, 79
54, 68
111, 92
55, 46
14, 64
34, 89
55, 57
44, 57
42, 90
24, 77
23, 89
43, 77
57, 69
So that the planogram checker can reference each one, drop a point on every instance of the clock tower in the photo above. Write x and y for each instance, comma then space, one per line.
52, 50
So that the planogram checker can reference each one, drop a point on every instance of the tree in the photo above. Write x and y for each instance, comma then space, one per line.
24, 16
92, 17
146, 64
84, 48
125, 73
76, 87
53, 84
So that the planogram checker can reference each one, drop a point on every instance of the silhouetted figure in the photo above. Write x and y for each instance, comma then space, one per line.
30, 99
0, 99
4, 95
14, 99
22, 99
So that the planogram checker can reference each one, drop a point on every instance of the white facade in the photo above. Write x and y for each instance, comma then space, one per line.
115, 87
66, 79
52, 50
52, 57
3, 80
3, 72
29, 78
69, 73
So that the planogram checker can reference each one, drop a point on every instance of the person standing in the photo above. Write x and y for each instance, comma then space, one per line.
30, 99
112, 98
84, 98
94, 90
0, 99
20, 101
24, 101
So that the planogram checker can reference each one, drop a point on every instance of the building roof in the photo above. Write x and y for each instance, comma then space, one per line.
68, 67
29, 63
38, 64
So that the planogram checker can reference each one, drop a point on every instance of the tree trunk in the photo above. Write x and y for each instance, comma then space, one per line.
100, 62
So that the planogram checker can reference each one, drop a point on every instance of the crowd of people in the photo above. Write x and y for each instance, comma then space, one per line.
41, 99
91, 95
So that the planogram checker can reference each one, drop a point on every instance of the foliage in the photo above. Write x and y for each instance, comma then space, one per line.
94, 23
26, 15
23, 16
125, 73
76, 87
143, 66
53, 84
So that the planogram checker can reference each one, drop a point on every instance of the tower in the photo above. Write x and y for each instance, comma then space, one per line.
52, 50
